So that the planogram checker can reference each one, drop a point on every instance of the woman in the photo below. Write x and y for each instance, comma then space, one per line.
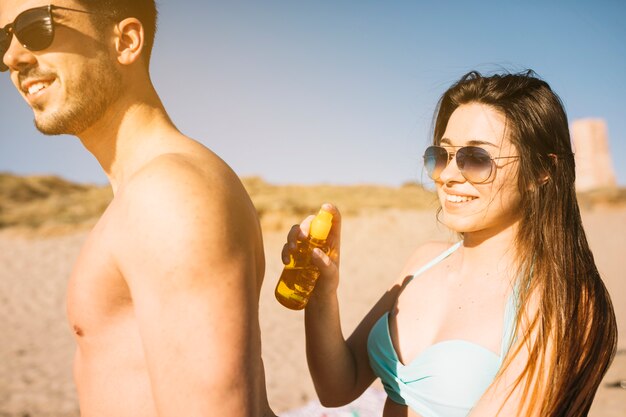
514, 319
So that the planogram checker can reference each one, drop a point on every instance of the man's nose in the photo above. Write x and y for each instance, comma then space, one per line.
17, 56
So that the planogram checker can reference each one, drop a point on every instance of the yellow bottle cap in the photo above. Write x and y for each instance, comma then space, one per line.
320, 226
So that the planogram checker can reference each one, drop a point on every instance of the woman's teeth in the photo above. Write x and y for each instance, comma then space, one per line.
459, 198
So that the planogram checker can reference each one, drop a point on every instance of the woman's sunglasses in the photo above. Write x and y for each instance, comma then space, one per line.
475, 163
33, 28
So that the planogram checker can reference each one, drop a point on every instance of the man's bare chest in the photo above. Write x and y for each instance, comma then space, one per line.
97, 293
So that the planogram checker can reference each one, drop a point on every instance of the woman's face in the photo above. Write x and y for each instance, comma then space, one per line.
486, 207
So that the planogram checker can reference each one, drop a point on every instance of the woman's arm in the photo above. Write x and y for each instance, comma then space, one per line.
340, 368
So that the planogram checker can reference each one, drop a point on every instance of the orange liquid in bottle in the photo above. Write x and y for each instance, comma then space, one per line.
298, 279
295, 287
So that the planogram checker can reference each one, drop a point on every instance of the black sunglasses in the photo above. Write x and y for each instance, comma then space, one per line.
33, 28
475, 163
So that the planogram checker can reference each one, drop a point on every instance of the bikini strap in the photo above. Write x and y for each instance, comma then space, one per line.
510, 322
510, 317
435, 261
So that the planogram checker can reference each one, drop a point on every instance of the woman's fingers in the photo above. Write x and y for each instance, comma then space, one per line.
298, 232
329, 274
321, 260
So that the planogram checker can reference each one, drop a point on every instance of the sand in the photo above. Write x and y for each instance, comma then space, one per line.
37, 346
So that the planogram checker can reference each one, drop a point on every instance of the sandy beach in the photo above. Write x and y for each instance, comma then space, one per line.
37, 345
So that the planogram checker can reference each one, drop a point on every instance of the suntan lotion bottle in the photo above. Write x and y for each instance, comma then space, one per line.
299, 276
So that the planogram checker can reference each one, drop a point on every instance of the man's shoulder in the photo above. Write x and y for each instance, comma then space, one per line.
190, 177
205, 169
182, 187
173, 202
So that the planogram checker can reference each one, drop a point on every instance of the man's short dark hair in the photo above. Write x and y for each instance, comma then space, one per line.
143, 10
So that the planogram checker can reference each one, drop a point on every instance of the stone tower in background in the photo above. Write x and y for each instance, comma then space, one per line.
594, 167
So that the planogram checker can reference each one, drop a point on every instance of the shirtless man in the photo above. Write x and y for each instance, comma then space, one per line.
164, 296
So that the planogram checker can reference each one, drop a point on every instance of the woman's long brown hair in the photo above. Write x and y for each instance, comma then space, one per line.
571, 334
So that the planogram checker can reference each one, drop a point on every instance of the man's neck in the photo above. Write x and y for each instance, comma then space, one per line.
126, 135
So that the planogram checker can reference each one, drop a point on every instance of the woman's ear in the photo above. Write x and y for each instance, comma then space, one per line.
545, 177
129, 41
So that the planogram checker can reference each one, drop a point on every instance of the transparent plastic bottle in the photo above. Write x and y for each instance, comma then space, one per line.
299, 276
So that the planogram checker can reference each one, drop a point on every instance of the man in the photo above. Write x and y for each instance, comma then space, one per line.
163, 298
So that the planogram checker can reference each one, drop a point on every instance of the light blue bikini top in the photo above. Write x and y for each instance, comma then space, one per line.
446, 379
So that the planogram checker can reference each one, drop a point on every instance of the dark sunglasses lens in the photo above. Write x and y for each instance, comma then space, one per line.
5, 41
435, 161
474, 163
33, 29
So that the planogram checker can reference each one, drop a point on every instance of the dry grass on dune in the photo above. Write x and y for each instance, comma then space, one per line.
280, 205
52, 205
602, 197
49, 203
301, 199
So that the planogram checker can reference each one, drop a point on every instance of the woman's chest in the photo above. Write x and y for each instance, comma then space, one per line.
429, 312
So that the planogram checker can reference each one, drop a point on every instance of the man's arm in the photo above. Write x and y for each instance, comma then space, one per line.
188, 257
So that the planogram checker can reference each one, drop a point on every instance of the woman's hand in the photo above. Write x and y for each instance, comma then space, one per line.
328, 265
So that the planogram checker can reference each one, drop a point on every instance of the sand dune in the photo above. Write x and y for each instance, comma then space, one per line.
37, 346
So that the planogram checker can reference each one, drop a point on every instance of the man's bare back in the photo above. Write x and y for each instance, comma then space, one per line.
162, 284
164, 297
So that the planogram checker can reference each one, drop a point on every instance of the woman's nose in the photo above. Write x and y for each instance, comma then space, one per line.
451, 172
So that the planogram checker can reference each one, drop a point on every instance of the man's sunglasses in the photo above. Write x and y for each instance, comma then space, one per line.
475, 163
33, 28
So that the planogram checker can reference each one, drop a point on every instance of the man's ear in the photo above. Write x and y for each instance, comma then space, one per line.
129, 40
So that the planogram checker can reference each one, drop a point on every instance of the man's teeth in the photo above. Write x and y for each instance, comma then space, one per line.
37, 87
459, 198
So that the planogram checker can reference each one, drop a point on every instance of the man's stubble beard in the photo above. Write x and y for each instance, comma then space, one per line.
89, 97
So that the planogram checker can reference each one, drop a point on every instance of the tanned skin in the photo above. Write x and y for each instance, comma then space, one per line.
163, 299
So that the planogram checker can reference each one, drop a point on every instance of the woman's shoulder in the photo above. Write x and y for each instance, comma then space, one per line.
424, 254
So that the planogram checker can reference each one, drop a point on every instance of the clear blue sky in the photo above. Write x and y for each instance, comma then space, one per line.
344, 91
